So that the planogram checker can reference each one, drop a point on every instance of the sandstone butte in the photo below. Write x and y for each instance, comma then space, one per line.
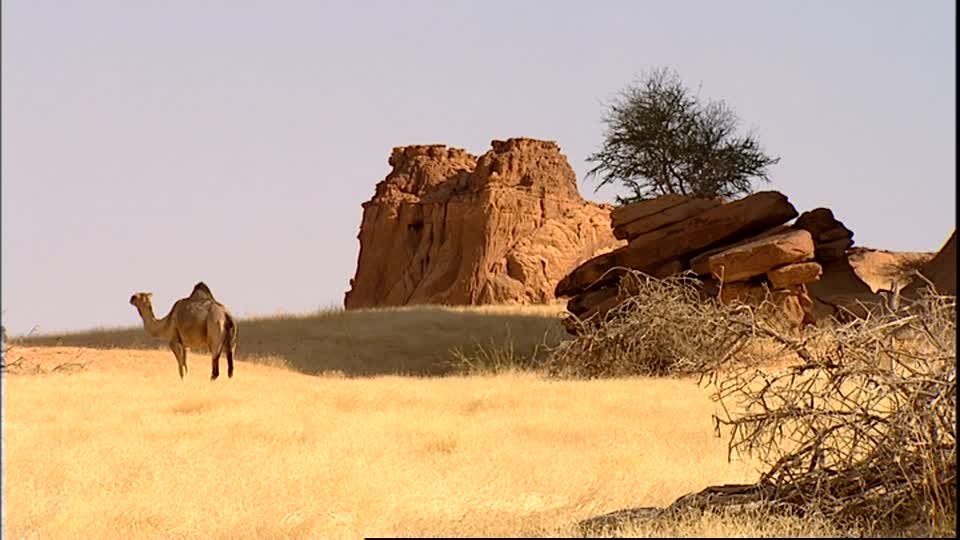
446, 227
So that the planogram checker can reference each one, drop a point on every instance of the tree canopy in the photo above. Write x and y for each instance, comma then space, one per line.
661, 139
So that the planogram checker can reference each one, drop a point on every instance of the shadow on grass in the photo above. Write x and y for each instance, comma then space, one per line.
416, 340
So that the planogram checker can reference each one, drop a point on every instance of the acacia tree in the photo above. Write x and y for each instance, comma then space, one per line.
660, 139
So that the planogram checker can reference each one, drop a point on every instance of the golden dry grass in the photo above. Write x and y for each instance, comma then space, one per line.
123, 448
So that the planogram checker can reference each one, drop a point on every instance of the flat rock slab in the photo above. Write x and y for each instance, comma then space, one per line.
756, 258
622, 215
794, 274
701, 265
669, 216
728, 222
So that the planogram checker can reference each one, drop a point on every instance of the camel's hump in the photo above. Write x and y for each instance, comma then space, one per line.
201, 288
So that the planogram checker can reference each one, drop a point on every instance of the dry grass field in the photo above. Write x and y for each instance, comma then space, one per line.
345, 425
385, 341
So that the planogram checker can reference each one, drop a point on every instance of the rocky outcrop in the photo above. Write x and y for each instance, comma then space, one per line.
668, 216
831, 237
761, 256
839, 292
700, 264
794, 274
941, 271
741, 249
843, 292
445, 227
884, 270
725, 223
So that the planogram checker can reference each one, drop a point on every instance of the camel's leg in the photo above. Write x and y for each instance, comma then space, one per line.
215, 344
229, 362
181, 353
215, 366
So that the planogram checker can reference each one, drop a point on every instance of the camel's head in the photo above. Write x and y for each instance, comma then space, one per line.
141, 299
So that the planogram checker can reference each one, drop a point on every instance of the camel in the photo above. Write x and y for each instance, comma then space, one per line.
196, 321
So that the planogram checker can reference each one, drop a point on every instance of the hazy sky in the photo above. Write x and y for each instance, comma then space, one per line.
149, 145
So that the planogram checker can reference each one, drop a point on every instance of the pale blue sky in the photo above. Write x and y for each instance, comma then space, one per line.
149, 145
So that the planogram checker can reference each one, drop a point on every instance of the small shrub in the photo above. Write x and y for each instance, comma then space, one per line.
665, 327
495, 357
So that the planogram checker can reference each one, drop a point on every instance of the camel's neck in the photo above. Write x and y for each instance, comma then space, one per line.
153, 326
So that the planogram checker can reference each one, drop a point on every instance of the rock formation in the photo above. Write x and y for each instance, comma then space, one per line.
839, 292
740, 249
832, 238
885, 270
941, 271
445, 227
679, 240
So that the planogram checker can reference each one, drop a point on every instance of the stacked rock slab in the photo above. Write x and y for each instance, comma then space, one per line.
781, 261
682, 239
740, 249
831, 237
839, 291
446, 227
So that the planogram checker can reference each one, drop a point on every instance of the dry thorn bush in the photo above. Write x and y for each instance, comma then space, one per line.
23, 365
864, 428
662, 327
858, 428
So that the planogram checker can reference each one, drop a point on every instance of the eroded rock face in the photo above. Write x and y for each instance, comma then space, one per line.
941, 271
445, 227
